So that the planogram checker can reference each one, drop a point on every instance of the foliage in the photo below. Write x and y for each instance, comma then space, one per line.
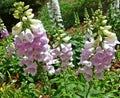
108, 86
9, 64
68, 8
113, 16
117, 54
77, 40
68, 85
9, 91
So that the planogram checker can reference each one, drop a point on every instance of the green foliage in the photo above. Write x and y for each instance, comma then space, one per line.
28, 87
68, 85
114, 19
9, 63
68, 8
117, 54
5, 6
9, 91
77, 42
109, 86
44, 17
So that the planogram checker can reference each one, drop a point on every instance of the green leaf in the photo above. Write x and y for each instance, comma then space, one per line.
32, 85
30, 79
71, 86
76, 96
80, 87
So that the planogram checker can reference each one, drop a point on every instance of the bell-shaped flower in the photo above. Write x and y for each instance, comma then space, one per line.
4, 33
31, 69
50, 69
66, 39
35, 21
29, 36
17, 28
112, 39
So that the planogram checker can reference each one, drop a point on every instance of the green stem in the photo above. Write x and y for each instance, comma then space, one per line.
44, 78
64, 77
88, 91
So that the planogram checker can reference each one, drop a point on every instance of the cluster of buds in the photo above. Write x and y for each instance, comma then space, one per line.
31, 40
3, 31
89, 26
22, 12
99, 52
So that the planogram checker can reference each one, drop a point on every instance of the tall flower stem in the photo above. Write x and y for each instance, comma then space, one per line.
64, 78
88, 91
44, 78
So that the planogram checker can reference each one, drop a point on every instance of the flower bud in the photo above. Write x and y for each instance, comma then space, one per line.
107, 27
35, 21
104, 22
66, 39
106, 32
63, 34
24, 18
30, 16
26, 7
20, 8
21, 3
17, 28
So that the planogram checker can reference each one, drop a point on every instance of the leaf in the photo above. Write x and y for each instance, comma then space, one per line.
80, 87
32, 85
76, 96
30, 79
71, 86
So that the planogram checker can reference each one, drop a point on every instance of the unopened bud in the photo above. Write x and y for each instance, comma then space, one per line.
26, 7
24, 18
104, 22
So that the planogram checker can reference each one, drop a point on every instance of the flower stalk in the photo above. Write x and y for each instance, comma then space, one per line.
98, 52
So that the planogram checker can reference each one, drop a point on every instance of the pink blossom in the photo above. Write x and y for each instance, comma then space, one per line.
86, 53
50, 69
4, 33
29, 36
31, 69
34, 47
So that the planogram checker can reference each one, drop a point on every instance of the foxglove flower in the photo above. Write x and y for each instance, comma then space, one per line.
29, 36
31, 43
3, 31
99, 52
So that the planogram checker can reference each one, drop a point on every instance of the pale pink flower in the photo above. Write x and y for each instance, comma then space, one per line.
50, 69
31, 69
29, 36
